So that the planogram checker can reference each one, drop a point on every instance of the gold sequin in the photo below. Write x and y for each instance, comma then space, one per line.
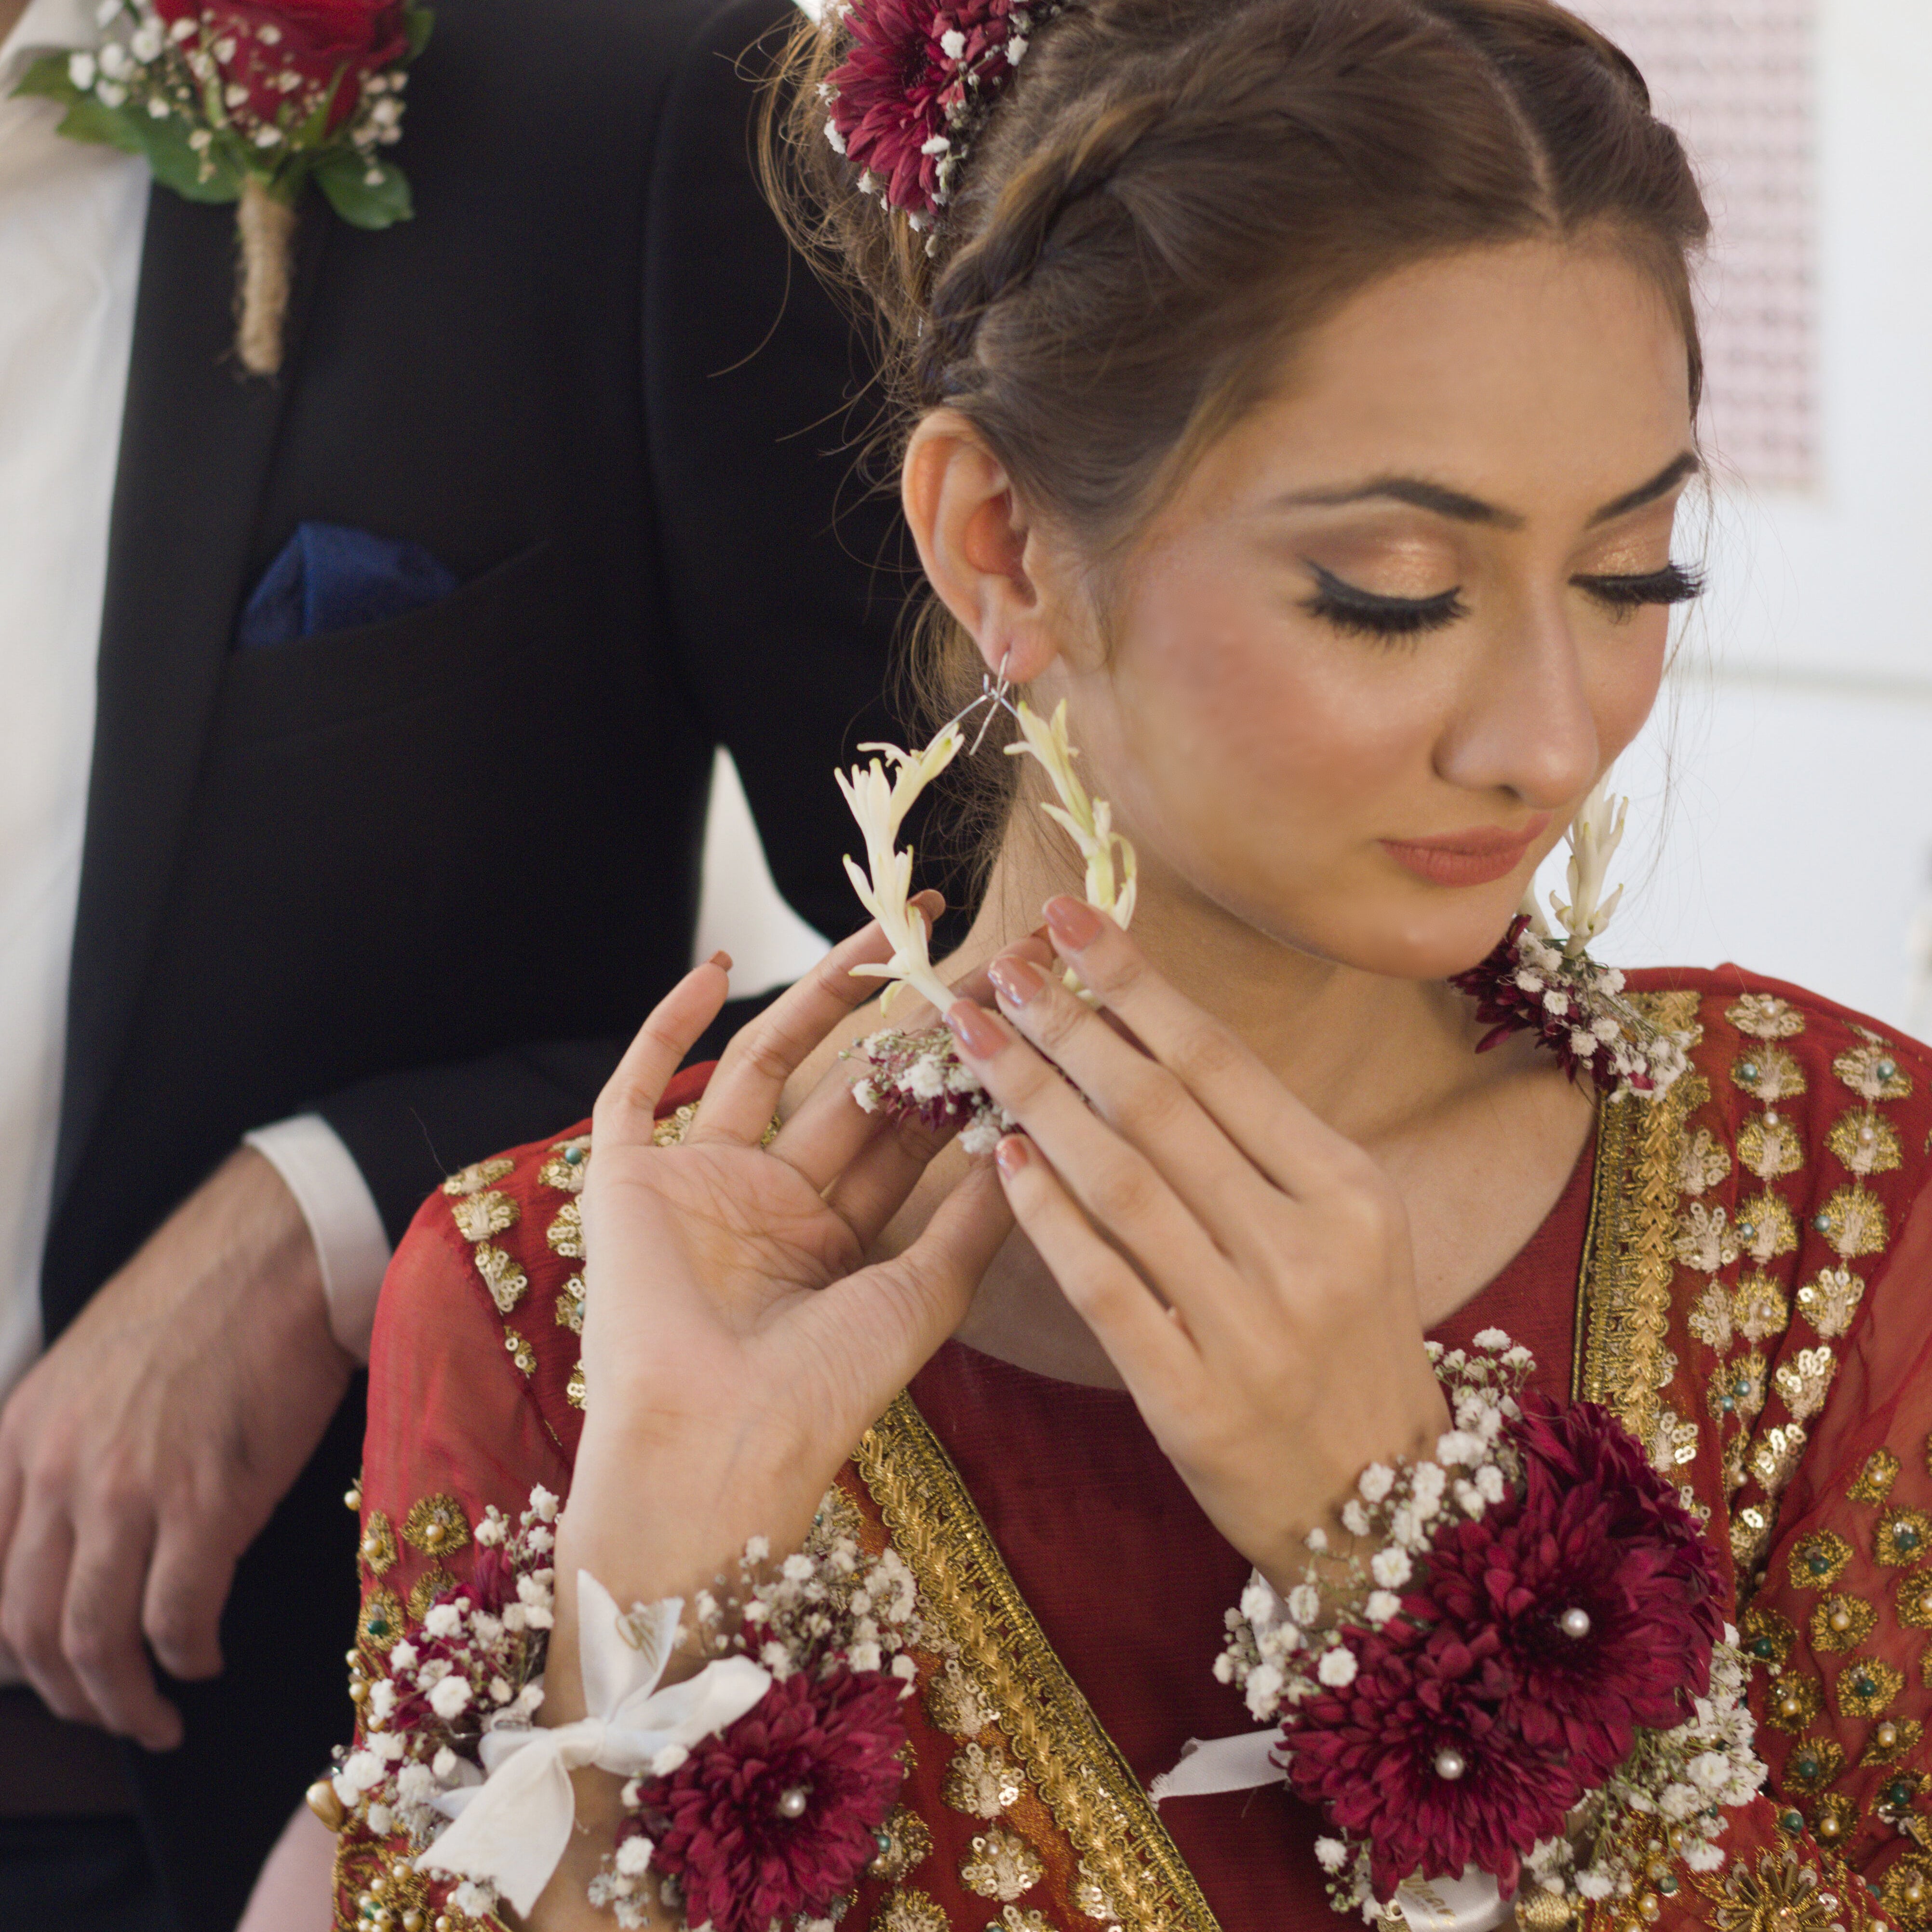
1768, 1073
1769, 1147
507, 1282
1866, 1142
1000, 1864
1903, 1536
437, 1525
1891, 1740
1853, 1222
1710, 1317
1705, 1240
670, 1131
1767, 1637
1738, 1387
1765, 1228
380, 1625
908, 1842
1765, 1016
1905, 1893
378, 1546
1865, 1687
909, 1910
1876, 1479
1813, 1763
1873, 1072
570, 1305
1019, 1918
1751, 1535
1842, 1623
565, 1232
1829, 1303
519, 1351
479, 1216
1780, 1895
1805, 1379
1775, 1456
1794, 1701
424, 1591
955, 1703
568, 1166
483, 1174
981, 1783
1673, 1441
1914, 1595
1759, 1309
1817, 1561
575, 1390
1092, 1897
1703, 1165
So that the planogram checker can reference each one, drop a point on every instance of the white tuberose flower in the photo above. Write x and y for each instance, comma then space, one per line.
1595, 833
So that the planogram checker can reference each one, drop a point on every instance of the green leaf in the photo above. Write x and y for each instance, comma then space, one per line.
48, 78
360, 201
417, 22
88, 120
163, 144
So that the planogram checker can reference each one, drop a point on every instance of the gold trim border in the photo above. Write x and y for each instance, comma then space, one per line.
1075, 1767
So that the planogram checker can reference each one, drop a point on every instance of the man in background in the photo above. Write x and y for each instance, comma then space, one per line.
302, 912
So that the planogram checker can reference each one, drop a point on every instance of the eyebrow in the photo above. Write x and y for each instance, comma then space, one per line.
1460, 507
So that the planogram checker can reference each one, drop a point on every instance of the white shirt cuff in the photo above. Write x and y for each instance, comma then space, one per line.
350, 1241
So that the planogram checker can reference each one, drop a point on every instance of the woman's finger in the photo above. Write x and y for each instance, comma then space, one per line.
1148, 1106
744, 1092
1120, 1188
1149, 1344
626, 1110
1297, 1152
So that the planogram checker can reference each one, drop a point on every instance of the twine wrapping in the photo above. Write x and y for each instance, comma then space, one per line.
264, 228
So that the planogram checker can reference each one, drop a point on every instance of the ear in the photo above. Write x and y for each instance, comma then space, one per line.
982, 553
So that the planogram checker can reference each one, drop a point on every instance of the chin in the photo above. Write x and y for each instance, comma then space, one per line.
1446, 933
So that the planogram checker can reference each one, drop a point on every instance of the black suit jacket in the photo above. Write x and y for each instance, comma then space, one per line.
427, 875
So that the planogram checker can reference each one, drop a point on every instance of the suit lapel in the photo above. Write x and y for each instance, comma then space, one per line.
197, 440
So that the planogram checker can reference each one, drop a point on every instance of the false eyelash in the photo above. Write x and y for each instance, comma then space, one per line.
1363, 613
1675, 584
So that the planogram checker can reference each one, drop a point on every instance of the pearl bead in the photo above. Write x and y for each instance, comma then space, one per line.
1771, 1117
792, 1802
1839, 1619
1574, 1623
1451, 1764
1887, 1735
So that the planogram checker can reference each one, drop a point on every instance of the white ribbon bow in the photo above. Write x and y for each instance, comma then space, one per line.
511, 1829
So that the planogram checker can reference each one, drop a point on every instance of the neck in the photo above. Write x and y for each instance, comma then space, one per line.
11, 11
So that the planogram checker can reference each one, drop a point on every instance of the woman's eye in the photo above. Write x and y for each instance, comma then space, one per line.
1674, 583
1367, 613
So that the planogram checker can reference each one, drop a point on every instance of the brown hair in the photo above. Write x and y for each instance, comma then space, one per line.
1172, 190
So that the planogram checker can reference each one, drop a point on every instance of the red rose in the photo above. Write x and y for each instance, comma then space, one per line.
293, 54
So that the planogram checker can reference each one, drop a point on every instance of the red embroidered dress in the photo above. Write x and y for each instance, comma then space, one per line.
1736, 1271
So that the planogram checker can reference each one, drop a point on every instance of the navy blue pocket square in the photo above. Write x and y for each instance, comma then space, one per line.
329, 577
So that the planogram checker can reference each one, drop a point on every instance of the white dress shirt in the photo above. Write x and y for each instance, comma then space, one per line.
72, 218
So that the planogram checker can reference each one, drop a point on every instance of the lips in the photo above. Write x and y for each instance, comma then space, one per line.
1477, 857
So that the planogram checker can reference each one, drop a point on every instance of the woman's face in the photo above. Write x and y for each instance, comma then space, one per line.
1359, 674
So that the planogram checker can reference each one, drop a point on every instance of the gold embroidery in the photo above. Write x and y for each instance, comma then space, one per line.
1001, 1865
1765, 1016
1751, 1535
1904, 1536
908, 1842
1842, 1623
670, 1131
380, 1625
437, 1525
1767, 1073
570, 1305
1836, 1813
1891, 1740
981, 1783
479, 1216
1705, 1240
519, 1351
837, 1515
956, 1704
1829, 1303
1767, 1636
378, 1546
1775, 1456
507, 1282
1866, 1142
1865, 1687
483, 1174
1780, 1895
575, 1390
424, 1591
1765, 1228
1905, 1893
1768, 1146
1873, 1072
1673, 1441
1818, 1560
1914, 1591
1018, 1919
1734, 1464
565, 1233
1853, 1221
1710, 1318
1759, 1309
568, 1166
1737, 1387
1876, 1478
1805, 1379
1813, 1764
1703, 1165
910, 1910
1074, 1765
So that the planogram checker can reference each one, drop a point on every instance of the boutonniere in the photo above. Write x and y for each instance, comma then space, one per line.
247, 101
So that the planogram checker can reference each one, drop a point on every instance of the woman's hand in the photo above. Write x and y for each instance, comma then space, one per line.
1248, 1271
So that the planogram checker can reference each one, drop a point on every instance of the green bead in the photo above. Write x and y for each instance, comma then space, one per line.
1823, 1222
379, 1626
1726, 1404
1763, 1647
1864, 1686
573, 1156
1898, 1793
1817, 1564
1748, 1071
1791, 1821
1667, 1884
1886, 1069
1807, 1766
883, 1840
1747, 1228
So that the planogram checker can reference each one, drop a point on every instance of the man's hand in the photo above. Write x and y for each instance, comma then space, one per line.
145, 1449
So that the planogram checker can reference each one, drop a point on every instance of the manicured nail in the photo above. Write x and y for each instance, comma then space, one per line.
1018, 979
721, 959
1012, 1154
931, 905
1074, 923
975, 1029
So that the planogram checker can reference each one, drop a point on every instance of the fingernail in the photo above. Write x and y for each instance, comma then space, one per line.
721, 960
1019, 980
1074, 923
1012, 1154
931, 905
975, 1029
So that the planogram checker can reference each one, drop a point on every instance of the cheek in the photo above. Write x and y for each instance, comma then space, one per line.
1625, 675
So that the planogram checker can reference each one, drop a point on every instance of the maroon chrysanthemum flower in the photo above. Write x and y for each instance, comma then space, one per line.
896, 92
775, 1816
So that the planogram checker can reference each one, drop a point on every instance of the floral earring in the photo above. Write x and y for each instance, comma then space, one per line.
1533, 983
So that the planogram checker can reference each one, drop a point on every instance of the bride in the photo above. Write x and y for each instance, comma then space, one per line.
1311, 1463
